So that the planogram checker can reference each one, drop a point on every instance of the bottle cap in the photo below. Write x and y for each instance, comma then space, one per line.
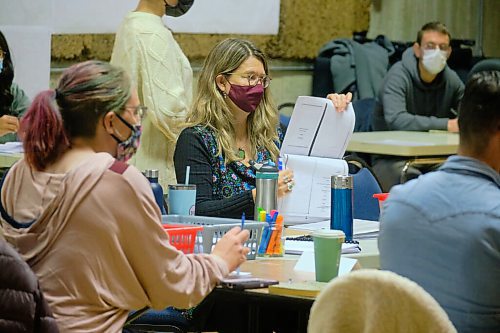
151, 173
267, 171
342, 182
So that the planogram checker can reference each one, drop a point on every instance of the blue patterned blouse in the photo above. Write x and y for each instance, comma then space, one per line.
223, 190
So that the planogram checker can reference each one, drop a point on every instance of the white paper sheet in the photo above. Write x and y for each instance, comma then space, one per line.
361, 228
30, 48
11, 148
256, 17
303, 126
335, 132
317, 129
306, 263
104, 16
312, 192
27, 12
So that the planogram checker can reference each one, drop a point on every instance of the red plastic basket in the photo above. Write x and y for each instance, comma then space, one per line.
182, 237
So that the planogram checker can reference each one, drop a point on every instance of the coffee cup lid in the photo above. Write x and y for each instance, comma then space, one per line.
182, 187
328, 233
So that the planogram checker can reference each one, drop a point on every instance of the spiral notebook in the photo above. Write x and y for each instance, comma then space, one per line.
297, 245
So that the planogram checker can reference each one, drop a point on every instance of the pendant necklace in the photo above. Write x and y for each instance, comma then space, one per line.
241, 153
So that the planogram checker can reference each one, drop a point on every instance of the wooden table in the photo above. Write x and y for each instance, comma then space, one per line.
420, 148
404, 143
6, 160
256, 310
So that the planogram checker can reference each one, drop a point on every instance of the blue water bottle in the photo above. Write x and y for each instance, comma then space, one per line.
152, 176
341, 208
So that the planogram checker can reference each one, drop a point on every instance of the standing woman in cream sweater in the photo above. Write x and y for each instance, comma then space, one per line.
146, 49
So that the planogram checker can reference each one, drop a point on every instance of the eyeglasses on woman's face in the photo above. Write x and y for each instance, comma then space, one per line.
254, 79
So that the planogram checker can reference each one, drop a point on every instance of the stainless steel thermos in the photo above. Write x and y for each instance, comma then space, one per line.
266, 179
341, 207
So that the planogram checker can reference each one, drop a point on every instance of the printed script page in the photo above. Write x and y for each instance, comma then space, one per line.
310, 198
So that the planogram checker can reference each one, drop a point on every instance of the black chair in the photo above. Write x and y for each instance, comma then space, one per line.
461, 58
491, 64
363, 110
285, 119
365, 185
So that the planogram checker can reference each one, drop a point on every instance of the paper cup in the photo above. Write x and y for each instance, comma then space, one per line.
327, 250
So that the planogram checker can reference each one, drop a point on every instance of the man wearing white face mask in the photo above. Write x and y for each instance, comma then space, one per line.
419, 93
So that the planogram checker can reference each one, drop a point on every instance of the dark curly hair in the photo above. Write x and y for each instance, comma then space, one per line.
6, 77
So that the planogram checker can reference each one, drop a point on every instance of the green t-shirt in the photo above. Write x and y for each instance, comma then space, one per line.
19, 106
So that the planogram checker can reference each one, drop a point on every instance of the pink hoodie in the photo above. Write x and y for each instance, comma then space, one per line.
97, 245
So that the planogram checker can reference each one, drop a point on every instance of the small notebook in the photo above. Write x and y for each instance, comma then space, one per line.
297, 245
301, 289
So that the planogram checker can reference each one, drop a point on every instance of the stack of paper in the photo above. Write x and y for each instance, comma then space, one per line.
298, 246
313, 147
362, 229
11, 148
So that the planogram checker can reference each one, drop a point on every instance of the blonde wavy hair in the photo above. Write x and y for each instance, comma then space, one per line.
211, 110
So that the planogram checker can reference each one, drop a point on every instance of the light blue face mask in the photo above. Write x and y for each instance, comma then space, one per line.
1, 65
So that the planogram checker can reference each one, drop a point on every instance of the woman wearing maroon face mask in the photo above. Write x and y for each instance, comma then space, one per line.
233, 123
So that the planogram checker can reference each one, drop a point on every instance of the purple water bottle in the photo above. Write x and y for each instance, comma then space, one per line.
341, 208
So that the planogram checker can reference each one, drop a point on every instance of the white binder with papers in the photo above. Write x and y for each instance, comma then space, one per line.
317, 129
313, 147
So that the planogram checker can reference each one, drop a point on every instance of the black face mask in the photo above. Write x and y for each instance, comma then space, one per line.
179, 10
